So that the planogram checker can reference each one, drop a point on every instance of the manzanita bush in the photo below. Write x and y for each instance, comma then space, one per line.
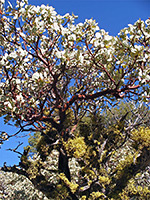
56, 77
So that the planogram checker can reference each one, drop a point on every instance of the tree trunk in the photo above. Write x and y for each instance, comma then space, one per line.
63, 164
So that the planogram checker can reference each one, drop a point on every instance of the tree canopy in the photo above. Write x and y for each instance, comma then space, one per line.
62, 82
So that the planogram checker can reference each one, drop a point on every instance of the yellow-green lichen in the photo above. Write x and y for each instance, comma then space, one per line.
142, 137
132, 189
73, 186
61, 192
83, 197
104, 180
125, 163
76, 147
96, 195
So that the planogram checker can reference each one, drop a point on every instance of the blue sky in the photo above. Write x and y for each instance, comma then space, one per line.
111, 15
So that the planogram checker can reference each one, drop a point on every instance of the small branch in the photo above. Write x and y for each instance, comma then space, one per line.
14, 169
14, 150
114, 92
103, 67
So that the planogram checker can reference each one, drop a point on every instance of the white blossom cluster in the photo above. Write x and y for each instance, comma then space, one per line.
44, 41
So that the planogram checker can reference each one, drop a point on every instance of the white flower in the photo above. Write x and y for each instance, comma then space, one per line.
2, 1
21, 3
98, 35
2, 62
43, 6
13, 54
133, 50
81, 58
97, 28
80, 24
147, 77
18, 81
55, 26
20, 98
2, 84
147, 21
22, 52
64, 31
131, 27
58, 54
5, 57
107, 37
36, 9
125, 42
109, 59
41, 76
147, 56
36, 75
22, 10
89, 21
16, 16
72, 37
66, 15
8, 104
138, 48
118, 62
